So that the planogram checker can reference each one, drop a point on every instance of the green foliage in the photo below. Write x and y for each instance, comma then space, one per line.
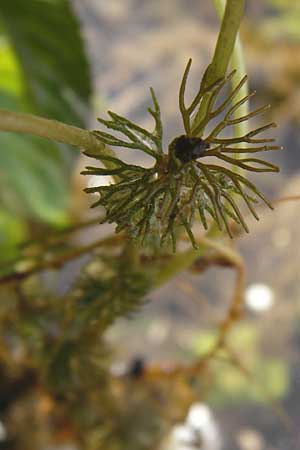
140, 138
159, 200
59, 339
62, 340
46, 40
33, 179
40, 52
108, 288
12, 233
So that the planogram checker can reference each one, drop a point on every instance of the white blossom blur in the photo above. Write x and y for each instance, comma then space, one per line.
199, 431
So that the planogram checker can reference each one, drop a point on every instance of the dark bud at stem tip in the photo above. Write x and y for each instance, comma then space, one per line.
187, 148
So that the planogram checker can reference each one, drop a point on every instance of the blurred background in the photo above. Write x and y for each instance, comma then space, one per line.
74, 61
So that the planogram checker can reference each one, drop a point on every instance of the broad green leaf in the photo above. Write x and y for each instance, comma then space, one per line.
43, 70
46, 39
12, 233
30, 178
10, 71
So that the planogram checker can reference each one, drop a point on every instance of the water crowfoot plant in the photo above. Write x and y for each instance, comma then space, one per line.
180, 187
55, 316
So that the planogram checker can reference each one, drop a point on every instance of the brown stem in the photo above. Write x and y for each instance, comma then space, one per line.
57, 261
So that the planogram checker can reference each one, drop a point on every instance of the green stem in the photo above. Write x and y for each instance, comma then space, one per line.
237, 63
55, 131
179, 262
224, 48
184, 260
232, 17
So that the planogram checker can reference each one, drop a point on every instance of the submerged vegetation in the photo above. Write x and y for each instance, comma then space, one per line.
155, 202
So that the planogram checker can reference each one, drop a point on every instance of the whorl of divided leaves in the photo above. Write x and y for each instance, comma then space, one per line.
108, 288
157, 201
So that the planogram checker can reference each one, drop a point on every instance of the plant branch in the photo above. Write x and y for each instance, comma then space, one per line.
223, 52
231, 258
238, 64
183, 260
225, 44
57, 261
179, 262
53, 130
